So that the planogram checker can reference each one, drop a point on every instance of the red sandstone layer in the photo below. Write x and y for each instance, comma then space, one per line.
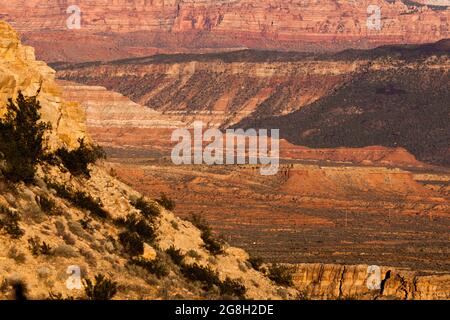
126, 28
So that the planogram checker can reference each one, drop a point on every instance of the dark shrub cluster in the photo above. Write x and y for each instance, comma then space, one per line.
281, 275
139, 225
166, 202
155, 267
59, 296
47, 205
231, 287
9, 223
78, 160
207, 276
176, 255
256, 262
213, 245
80, 199
37, 248
132, 243
22, 138
148, 210
102, 288
210, 278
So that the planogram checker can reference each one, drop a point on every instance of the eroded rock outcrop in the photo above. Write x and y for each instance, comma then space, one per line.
328, 281
20, 71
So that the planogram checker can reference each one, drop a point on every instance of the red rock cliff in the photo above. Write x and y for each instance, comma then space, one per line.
161, 25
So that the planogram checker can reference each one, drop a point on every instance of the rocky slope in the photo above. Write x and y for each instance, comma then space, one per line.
327, 281
389, 96
78, 223
126, 28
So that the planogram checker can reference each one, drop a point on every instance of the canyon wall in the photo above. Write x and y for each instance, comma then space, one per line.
393, 96
135, 28
328, 281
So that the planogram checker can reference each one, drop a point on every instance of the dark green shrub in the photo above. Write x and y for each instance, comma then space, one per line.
9, 222
176, 255
231, 287
80, 199
166, 202
281, 275
210, 278
59, 296
148, 210
102, 288
137, 224
22, 138
78, 160
213, 245
47, 205
37, 248
132, 243
256, 262
155, 267
86, 202
205, 275
86, 223
4, 285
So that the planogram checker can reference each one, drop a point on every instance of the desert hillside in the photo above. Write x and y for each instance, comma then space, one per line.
62, 218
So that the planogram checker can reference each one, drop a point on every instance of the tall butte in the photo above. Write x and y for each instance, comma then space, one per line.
135, 28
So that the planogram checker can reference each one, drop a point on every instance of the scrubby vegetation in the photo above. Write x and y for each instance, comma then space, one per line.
139, 225
256, 262
77, 161
102, 288
22, 138
231, 287
281, 275
166, 202
37, 248
213, 245
80, 199
176, 255
210, 279
205, 275
148, 210
46, 204
9, 223
132, 243
156, 267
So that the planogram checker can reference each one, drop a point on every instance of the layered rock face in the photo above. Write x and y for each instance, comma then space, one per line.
109, 109
126, 28
219, 93
390, 96
19, 71
328, 281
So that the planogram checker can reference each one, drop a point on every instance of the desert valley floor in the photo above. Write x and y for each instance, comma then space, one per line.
311, 211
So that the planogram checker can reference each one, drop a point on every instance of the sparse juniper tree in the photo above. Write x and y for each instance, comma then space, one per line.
22, 139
